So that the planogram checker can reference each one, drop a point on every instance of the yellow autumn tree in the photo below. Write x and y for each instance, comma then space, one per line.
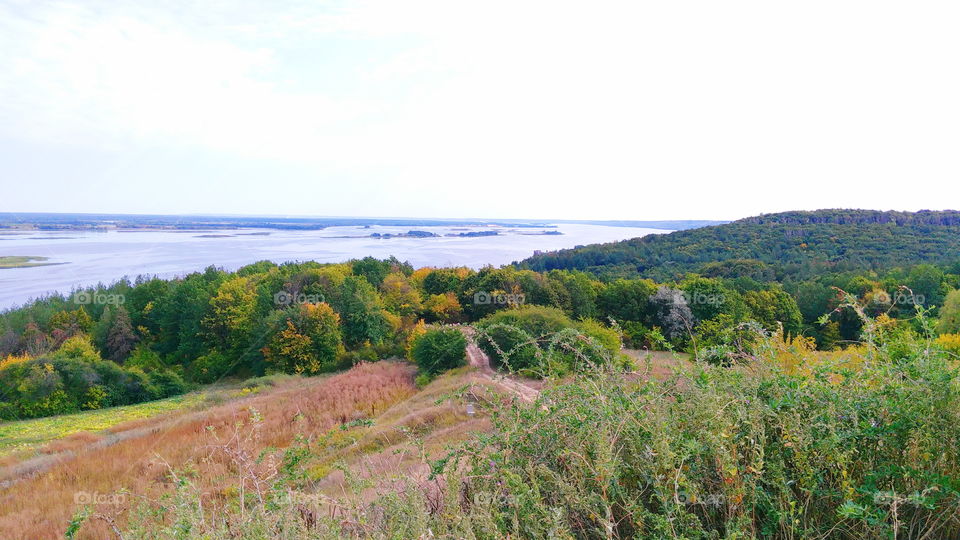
308, 340
232, 309
399, 295
444, 307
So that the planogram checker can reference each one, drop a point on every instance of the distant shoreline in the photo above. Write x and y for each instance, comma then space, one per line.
13, 223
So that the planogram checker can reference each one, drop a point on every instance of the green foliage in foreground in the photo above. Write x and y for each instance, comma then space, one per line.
761, 450
772, 456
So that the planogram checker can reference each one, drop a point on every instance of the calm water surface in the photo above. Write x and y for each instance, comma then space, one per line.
89, 258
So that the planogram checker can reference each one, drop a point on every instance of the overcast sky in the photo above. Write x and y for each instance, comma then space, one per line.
521, 109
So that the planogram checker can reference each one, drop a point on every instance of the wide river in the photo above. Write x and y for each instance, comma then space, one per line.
88, 258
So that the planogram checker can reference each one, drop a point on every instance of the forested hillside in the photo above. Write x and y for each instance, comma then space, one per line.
793, 245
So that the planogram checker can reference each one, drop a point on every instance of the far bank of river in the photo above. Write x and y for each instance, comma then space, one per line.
76, 259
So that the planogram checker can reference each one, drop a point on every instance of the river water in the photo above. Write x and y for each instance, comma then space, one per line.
88, 258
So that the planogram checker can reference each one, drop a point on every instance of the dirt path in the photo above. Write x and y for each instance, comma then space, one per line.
479, 359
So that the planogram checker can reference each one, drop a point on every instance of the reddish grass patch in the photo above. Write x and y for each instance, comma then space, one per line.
73, 442
41, 507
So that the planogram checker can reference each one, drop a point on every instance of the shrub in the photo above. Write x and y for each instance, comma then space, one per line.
437, 351
8, 411
423, 379
538, 341
514, 336
267, 381
167, 383
608, 338
58, 385
210, 367
638, 336
78, 347
144, 358
359, 356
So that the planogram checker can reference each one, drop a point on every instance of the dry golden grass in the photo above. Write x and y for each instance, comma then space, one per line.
41, 507
71, 443
408, 435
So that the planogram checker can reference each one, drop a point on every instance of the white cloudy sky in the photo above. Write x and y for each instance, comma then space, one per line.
590, 110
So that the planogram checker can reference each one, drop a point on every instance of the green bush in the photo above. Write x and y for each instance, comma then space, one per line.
369, 353
351, 358
210, 367
167, 383
513, 337
538, 341
267, 381
60, 384
437, 351
638, 336
423, 379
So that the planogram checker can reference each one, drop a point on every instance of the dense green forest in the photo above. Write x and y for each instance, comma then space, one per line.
150, 338
790, 245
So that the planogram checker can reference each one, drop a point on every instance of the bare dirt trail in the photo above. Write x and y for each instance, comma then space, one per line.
479, 359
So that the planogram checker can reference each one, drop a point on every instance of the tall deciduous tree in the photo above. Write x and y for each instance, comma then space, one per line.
121, 338
361, 312
231, 318
399, 296
627, 300
774, 306
308, 340
669, 311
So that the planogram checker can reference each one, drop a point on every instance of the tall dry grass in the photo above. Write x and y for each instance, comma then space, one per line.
42, 506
